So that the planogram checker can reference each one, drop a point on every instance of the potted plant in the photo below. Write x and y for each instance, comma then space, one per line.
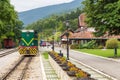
63, 62
69, 64
58, 59
81, 75
70, 68
67, 67
72, 71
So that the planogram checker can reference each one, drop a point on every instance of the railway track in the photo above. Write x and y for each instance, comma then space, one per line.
18, 71
7, 52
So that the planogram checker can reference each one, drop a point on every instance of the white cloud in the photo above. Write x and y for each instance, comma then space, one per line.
23, 5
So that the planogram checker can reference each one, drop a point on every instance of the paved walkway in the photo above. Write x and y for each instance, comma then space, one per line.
48, 69
104, 65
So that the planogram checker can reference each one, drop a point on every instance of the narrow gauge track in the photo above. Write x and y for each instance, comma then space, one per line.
18, 71
7, 53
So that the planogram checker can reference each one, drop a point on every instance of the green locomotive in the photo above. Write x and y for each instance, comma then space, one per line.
28, 43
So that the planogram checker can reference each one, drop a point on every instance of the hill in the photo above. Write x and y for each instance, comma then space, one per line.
33, 15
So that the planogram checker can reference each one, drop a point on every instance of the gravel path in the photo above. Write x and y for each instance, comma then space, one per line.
34, 71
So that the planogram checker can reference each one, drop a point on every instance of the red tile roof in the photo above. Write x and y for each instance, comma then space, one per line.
88, 35
83, 33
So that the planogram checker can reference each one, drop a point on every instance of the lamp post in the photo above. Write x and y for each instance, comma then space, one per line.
53, 44
53, 41
67, 35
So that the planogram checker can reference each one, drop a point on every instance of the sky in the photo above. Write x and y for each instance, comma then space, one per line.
24, 5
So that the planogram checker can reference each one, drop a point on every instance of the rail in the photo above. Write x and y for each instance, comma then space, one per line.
9, 73
7, 53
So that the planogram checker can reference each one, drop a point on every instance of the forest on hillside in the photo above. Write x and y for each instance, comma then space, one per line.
56, 24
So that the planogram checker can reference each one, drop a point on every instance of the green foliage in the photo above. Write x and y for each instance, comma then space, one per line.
101, 52
78, 75
55, 22
100, 47
89, 45
119, 44
10, 34
10, 25
57, 36
112, 43
103, 15
81, 46
45, 54
74, 46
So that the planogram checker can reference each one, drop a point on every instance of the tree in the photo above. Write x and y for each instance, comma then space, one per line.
8, 19
10, 25
103, 15
17, 29
56, 22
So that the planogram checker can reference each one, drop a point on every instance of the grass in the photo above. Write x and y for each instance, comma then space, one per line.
45, 54
101, 52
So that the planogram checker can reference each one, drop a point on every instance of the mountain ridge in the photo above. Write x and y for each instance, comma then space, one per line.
33, 15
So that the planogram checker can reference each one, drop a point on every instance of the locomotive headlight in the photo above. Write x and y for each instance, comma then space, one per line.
32, 43
23, 44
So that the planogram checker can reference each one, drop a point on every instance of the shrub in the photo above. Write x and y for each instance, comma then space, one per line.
80, 74
119, 44
81, 46
100, 47
90, 45
70, 64
73, 68
63, 59
112, 43
74, 46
